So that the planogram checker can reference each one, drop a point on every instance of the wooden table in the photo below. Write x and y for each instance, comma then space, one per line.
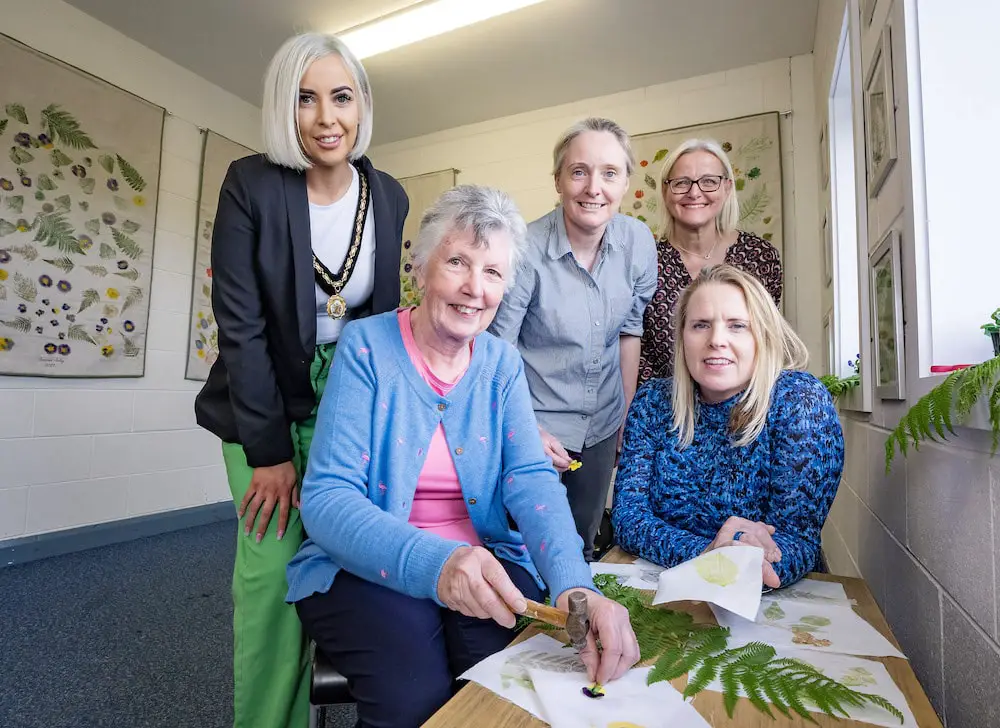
476, 706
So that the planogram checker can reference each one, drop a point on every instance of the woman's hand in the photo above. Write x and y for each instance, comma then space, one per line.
270, 486
752, 533
474, 583
609, 623
555, 450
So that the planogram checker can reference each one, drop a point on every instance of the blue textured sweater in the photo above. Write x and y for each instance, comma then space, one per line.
374, 426
670, 503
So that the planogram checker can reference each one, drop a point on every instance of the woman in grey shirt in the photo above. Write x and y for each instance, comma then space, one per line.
575, 313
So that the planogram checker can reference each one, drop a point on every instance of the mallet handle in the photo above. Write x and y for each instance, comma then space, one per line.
544, 613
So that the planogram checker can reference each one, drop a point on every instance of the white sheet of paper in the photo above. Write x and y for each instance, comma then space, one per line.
506, 672
640, 574
865, 676
627, 703
729, 577
813, 590
797, 624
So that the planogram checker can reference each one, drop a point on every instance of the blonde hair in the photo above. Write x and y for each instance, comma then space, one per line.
729, 216
279, 110
778, 348
592, 123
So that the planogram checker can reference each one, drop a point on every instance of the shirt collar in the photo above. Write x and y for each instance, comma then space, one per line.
559, 239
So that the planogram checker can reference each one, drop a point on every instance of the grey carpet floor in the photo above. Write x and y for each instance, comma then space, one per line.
136, 634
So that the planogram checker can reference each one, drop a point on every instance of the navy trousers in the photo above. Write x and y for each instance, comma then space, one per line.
400, 655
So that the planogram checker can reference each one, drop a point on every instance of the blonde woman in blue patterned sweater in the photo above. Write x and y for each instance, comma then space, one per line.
425, 442
740, 446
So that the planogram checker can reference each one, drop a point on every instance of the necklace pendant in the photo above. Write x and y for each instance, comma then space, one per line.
336, 307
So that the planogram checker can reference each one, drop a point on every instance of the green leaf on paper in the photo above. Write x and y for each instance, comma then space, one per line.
108, 251
62, 125
660, 155
45, 182
64, 264
21, 323
130, 227
97, 270
3, 126
90, 297
6, 228
78, 332
16, 111
20, 156
55, 231
650, 181
87, 185
93, 226
63, 203
134, 297
108, 162
28, 252
25, 288
131, 175
132, 274
126, 244
122, 204
130, 347
206, 291
16, 203
59, 159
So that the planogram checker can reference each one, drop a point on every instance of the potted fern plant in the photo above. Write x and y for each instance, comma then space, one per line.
992, 329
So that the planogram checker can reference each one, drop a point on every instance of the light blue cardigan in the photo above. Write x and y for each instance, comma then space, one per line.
373, 430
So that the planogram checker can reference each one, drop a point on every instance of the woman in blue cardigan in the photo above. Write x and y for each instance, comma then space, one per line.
740, 446
426, 451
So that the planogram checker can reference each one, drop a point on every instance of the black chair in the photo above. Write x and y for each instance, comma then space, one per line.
328, 687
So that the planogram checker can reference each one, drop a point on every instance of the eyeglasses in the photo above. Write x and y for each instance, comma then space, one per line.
706, 183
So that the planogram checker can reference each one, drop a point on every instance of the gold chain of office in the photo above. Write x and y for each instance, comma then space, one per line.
332, 284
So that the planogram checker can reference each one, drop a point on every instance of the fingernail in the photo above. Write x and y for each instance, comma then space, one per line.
280, 534
258, 538
520, 605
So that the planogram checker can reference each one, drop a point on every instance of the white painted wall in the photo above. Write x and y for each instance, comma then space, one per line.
79, 452
515, 154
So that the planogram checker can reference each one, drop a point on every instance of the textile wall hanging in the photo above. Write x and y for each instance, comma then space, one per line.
203, 342
422, 190
79, 172
752, 144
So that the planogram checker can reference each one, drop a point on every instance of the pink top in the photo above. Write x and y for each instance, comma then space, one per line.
438, 504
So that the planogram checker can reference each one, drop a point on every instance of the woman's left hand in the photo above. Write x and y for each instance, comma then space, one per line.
610, 624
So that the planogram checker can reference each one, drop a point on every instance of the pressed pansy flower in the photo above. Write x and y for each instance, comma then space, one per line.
51, 348
54, 322
122, 264
201, 354
22, 225
65, 307
44, 140
26, 181
40, 312
6, 184
64, 286
39, 329
88, 161
79, 170
128, 326
71, 317
104, 320
408, 267
3, 274
107, 351
64, 349
204, 323
24, 139
98, 328
139, 201
727, 147
85, 241
113, 184
198, 344
4, 256
62, 336
21, 308
407, 245
108, 218
6, 344
45, 280
112, 293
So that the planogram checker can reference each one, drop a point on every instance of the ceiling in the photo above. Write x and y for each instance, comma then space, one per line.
555, 52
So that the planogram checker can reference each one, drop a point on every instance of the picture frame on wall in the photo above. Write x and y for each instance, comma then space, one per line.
824, 156
880, 115
885, 271
827, 248
867, 12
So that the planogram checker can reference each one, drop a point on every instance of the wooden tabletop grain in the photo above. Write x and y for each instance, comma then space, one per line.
476, 706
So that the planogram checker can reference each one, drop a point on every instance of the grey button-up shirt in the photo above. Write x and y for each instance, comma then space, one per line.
566, 320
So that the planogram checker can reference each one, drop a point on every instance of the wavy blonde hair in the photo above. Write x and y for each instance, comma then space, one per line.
778, 348
729, 216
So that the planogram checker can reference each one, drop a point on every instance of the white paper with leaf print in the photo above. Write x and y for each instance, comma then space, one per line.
78, 191
813, 590
729, 576
864, 676
640, 574
807, 625
506, 672
627, 703
203, 339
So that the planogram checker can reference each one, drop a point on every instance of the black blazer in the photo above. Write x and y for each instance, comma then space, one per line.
264, 300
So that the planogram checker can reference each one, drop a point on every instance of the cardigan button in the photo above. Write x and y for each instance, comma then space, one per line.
472, 501
442, 407
459, 451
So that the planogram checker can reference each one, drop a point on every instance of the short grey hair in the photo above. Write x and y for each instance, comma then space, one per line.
282, 143
729, 217
483, 210
592, 123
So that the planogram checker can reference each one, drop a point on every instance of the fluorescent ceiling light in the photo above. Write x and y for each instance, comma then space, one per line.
425, 20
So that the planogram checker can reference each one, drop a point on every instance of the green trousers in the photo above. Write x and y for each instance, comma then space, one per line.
271, 670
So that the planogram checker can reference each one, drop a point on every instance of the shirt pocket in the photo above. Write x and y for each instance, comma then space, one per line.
619, 308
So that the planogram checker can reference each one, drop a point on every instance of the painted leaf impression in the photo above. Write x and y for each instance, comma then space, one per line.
515, 670
774, 612
717, 568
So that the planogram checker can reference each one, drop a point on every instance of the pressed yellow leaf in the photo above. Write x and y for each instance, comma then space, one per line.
717, 568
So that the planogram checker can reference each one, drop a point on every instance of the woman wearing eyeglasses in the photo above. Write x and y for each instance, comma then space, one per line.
700, 213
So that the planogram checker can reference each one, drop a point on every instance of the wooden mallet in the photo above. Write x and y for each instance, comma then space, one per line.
576, 621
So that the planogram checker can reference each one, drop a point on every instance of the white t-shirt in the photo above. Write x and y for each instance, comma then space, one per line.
332, 229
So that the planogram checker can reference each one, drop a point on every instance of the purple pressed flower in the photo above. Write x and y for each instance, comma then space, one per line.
113, 184
22, 308
108, 218
79, 170
64, 349
128, 326
26, 181
51, 348
122, 264
46, 281
24, 139
6, 185
4, 256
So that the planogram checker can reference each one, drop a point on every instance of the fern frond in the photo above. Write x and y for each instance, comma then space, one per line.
78, 332
54, 230
21, 323
131, 175
63, 125
126, 244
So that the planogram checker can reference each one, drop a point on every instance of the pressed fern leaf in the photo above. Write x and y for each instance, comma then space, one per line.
126, 244
3, 126
131, 174
753, 207
63, 125
135, 296
55, 230
97, 270
64, 264
78, 332
28, 252
21, 323
25, 288
90, 297
130, 348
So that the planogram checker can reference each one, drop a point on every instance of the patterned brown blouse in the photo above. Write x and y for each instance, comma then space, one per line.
749, 253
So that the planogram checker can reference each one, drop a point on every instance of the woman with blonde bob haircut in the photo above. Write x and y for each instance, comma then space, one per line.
740, 446
700, 213
307, 237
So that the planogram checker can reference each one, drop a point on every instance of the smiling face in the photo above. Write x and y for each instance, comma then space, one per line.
328, 112
695, 209
463, 284
592, 181
719, 347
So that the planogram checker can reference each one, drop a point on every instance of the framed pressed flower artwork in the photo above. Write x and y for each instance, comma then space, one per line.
880, 115
885, 270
